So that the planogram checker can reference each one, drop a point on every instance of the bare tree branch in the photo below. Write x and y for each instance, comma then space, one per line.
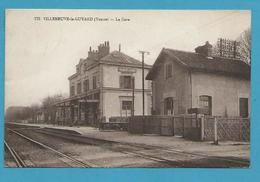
245, 46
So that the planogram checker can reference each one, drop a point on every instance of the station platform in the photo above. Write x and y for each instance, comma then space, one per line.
223, 149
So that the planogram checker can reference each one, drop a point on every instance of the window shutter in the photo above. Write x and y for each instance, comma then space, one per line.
171, 70
133, 82
121, 82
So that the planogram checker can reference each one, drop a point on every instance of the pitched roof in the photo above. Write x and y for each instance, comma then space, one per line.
199, 62
119, 57
114, 57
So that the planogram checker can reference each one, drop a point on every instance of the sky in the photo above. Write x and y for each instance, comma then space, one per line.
41, 53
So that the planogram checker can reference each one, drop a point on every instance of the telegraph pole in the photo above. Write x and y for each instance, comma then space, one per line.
143, 52
133, 96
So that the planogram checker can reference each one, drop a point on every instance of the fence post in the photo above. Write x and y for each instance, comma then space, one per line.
143, 126
240, 129
161, 126
215, 131
202, 127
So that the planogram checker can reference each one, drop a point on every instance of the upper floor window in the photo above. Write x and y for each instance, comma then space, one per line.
86, 85
72, 90
206, 103
94, 82
168, 70
126, 82
79, 88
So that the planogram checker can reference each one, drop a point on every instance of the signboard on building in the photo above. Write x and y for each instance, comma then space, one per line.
126, 69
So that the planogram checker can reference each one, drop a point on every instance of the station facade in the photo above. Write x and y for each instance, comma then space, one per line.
106, 84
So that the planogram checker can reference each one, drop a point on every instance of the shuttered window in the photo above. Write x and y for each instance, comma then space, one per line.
168, 70
86, 85
126, 82
72, 90
79, 88
94, 82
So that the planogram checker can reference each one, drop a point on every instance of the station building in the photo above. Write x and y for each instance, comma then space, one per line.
106, 84
184, 80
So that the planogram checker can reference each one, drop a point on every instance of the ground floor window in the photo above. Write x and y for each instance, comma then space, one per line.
243, 107
126, 109
168, 105
206, 103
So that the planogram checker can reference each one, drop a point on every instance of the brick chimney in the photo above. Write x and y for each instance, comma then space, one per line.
92, 54
205, 50
103, 49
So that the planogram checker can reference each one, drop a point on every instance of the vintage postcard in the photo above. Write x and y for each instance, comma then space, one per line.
127, 88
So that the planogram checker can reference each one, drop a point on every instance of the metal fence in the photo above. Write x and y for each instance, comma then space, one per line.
227, 128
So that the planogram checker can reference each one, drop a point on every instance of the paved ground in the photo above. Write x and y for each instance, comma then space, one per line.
224, 149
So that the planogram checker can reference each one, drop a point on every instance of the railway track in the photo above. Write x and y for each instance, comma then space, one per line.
16, 157
141, 150
73, 162
144, 151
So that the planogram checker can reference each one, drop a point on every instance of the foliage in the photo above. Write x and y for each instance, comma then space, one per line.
245, 45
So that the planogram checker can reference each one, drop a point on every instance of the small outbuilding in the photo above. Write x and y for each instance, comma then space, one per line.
182, 80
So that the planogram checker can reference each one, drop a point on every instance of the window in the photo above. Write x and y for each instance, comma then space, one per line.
94, 82
206, 103
126, 108
72, 90
243, 107
168, 70
96, 96
79, 88
126, 82
168, 105
86, 85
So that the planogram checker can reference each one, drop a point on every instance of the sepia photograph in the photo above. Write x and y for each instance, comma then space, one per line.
127, 88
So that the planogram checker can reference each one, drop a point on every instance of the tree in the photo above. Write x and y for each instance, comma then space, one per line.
245, 46
34, 108
17, 113
49, 107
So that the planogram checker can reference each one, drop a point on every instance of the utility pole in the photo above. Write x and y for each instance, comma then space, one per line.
133, 96
143, 52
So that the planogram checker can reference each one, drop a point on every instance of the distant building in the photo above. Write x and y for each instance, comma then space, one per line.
102, 87
184, 80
